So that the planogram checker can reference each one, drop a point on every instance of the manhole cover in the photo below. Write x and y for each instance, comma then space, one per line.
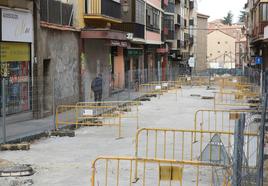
16, 171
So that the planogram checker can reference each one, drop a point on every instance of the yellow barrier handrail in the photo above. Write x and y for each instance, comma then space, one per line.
118, 159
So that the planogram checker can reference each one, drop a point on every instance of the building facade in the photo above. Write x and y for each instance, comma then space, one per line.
65, 44
222, 43
201, 49
256, 30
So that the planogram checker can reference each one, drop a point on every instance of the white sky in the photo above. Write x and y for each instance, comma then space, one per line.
217, 9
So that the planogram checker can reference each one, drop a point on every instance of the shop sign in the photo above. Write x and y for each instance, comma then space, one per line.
162, 50
10, 52
119, 43
258, 60
19, 79
191, 62
17, 26
134, 52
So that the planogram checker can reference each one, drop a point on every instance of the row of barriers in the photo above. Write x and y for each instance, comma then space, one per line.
174, 156
237, 99
220, 119
202, 156
110, 113
115, 171
161, 87
179, 161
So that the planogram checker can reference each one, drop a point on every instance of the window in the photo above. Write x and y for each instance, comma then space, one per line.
140, 6
219, 43
264, 12
152, 18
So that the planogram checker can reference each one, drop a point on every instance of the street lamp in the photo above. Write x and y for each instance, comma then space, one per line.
125, 6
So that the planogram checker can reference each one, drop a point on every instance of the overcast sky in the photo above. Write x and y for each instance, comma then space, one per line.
217, 9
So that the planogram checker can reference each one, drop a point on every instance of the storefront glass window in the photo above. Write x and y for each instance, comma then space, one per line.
15, 58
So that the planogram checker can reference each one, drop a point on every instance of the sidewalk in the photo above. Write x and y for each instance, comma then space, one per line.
26, 129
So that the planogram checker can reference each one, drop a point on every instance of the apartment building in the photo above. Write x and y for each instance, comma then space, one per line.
256, 29
225, 44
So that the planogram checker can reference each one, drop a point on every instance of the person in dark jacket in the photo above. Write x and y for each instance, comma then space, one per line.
96, 87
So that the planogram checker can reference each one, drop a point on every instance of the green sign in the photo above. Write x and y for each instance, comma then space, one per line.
134, 52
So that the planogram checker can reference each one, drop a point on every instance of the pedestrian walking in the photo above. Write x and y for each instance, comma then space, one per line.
96, 87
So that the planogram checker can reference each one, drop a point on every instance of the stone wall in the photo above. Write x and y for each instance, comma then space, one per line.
58, 68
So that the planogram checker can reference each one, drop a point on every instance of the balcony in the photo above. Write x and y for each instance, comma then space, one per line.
167, 34
259, 30
103, 10
186, 37
170, 8
191, 41
191, 22
135, 28
56, 12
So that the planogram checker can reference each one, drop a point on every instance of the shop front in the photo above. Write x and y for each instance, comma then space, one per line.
133, 66
15, 59
163, 66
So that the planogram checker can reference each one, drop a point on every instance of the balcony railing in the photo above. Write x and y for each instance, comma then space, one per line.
191, 40
191, 4
191, 22
258, 31
170, 7
108, 8
111, 8
56, 12
186, 37
135, 28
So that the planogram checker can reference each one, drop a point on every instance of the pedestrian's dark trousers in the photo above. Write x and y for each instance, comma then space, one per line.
97, 96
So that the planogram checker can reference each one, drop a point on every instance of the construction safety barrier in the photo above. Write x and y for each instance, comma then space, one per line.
120, 171
159, 88
222, 120
97, 114
207, 146
127, 109
196, 80
237, 99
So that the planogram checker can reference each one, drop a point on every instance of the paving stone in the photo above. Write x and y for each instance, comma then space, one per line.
16, 146
207, 97
195, 95
63, 133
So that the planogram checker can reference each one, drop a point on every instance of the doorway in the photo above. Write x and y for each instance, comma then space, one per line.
47, 87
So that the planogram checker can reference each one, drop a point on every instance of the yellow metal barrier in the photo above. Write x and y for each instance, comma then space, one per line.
219, 119
195, 80
151, 89
97, 114
127, 109
235, 99
161, 87
189, 144
119, 171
